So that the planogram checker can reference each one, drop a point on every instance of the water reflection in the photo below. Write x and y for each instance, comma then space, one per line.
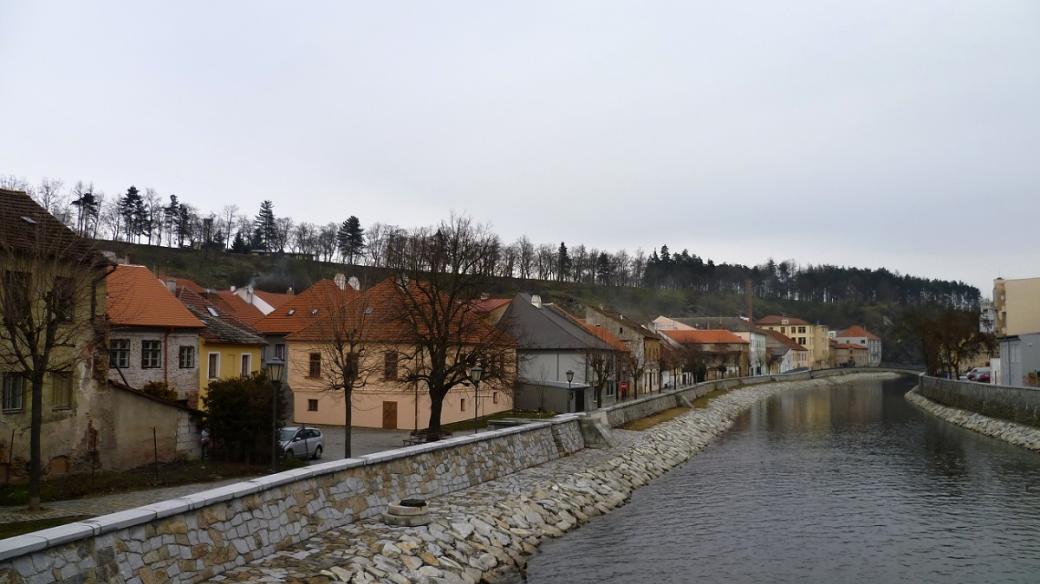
842, 484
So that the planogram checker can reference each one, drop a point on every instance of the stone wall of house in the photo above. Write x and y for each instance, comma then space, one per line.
1016, 404
196, 537
184, 381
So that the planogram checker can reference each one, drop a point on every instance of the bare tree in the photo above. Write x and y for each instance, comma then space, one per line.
227, 216
439, 281
525, 257
48, 305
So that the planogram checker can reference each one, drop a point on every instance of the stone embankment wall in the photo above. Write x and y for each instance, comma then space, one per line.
1011, 432
1015, 404
193, 538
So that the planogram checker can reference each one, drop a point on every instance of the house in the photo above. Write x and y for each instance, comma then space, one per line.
739, 326
388, 399
1019, 360
88, 423
228, 347
715, 353
857, 335
265, 302
1016, 304
813, 337
783, 354
561, 360
154, 339
850, 354
644, 347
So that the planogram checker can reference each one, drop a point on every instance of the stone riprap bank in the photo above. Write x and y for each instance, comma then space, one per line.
1010, 432
193, 538
488, 531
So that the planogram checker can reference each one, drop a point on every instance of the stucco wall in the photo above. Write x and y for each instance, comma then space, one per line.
1016, 404
196, 537
230, 362
128, 421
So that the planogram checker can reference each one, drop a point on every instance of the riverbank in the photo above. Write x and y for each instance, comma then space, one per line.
1010, 432
488, 531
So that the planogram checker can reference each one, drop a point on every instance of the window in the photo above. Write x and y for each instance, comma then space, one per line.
783, 330
186, 357
62, 298
61, 390
801, 329
494, 397
390, 365
462, 404
14, 391
801, 340
212, 311
353, 369
314, 370
312, 405
247, 364
15, 290
151, 354
119, 353
213, 366
279, 352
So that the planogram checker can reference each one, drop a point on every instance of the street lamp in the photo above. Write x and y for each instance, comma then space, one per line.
274, 374
474, 374
570, 377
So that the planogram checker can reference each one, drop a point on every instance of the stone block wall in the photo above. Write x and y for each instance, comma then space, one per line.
196, 537
1015, 404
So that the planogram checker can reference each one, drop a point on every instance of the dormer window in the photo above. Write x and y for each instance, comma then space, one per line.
292, 311
212, 311
314, 312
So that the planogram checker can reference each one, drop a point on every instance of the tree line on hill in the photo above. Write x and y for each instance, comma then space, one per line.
147, 218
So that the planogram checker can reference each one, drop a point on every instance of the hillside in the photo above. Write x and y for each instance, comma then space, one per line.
217, 269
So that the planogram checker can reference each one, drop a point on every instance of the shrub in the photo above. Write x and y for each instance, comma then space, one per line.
160, 390
238, 417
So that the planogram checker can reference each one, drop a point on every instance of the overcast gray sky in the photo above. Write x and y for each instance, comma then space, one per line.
903, 134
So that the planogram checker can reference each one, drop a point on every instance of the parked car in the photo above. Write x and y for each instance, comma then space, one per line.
301, 442
981, 374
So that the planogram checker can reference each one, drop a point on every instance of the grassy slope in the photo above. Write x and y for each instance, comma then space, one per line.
220, 270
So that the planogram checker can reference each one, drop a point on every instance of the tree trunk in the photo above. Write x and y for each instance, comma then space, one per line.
348, 424
35, 453
433, 431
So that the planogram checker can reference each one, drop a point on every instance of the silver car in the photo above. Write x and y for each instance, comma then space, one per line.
301, 442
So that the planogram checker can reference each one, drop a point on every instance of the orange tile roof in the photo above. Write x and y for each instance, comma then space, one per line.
273, 298
303, 309
234, 304
136, 297
786, 341
490, 304
776, 320
857, 331
599, 332
705, 337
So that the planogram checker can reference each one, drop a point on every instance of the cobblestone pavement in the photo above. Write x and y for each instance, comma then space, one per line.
93, 506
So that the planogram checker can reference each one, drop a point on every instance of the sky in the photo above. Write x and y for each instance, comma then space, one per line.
888, 133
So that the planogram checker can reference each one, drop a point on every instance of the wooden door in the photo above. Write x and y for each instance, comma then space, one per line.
389, 415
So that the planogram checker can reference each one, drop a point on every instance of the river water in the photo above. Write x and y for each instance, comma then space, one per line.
830, 485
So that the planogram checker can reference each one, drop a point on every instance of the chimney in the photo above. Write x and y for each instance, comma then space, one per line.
536, 301
354, 283
484, 296
171, 285
233, 288
290, 291
341, 281
249, 293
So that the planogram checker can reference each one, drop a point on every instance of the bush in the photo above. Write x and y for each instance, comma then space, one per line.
238, 417
160, 390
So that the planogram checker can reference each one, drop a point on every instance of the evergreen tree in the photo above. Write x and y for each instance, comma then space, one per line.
130, 206
88, 207
171, 213
563, 263
350, 239
603, 271
239, 245
266, 230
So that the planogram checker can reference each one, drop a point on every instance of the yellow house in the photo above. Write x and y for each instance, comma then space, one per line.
228, 348
813, 337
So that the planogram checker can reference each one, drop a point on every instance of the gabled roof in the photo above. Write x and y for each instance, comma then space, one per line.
221, 327
856, 331
548, 328
490, 304
25, 226
273, 298
234, 304
705, 337
599, 332
781, 340
303, 309
626, 322
136, 297
776, 320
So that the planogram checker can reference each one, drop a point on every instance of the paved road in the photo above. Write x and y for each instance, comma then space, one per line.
363, 441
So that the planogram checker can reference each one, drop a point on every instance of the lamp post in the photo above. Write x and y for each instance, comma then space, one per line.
570, 377
274, 373
474, 374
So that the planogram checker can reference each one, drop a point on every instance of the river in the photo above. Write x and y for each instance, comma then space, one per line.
829, 485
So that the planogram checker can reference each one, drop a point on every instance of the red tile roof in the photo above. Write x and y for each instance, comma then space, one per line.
786, 341
136, 297
303, 309
490, 304
234, 304
856, 331
599, 332
273, 298
776, 320
705, 337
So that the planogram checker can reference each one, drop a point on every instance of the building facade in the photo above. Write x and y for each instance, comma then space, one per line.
859, 336
1016, 304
